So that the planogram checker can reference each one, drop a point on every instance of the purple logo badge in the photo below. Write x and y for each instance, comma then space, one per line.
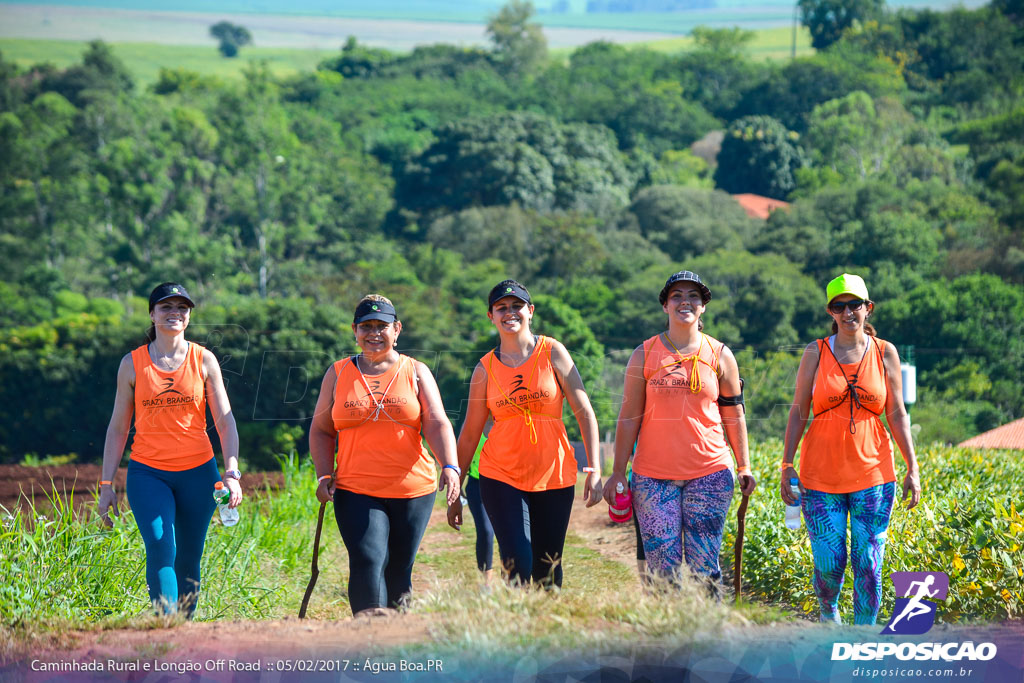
915, 610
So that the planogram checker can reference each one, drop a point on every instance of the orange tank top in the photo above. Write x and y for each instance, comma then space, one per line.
170, 413
380, 449
681, 434
528, 447
846, 448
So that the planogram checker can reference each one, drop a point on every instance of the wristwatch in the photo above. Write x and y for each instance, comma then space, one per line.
232, 474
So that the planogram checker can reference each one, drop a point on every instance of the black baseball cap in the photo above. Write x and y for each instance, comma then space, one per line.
685, 276
507, 288
374, 310
168, 290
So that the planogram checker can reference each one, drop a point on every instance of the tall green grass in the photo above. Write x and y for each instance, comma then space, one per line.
63, 568
968, 524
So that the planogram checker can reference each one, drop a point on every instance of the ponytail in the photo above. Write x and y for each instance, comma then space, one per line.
151, 334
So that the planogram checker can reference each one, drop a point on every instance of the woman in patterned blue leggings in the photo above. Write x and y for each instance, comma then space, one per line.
846, 459
826, 515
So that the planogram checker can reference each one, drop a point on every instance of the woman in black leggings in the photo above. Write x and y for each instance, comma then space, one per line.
378, 407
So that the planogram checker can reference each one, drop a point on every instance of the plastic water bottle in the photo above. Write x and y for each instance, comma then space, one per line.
622, 510
228, 515
793, 511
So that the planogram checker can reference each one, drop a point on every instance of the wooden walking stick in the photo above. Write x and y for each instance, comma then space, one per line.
315, 569
741, 524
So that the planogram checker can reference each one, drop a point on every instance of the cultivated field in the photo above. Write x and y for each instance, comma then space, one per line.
150, 40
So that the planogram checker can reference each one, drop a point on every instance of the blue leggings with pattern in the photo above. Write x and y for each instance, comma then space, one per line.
683, 518
825, 515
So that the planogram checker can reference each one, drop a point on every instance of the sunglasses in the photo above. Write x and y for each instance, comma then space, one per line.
838, 306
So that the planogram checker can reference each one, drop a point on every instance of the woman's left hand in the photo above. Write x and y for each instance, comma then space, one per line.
747, 484
455, 514
450, 481
235, 489
592, 489
912, 488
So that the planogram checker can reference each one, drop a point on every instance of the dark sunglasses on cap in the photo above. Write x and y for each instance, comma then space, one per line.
853, 304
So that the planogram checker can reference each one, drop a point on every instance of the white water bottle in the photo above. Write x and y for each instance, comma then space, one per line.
228, 515
793, 511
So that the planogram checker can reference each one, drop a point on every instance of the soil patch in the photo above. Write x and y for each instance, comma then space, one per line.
78, 483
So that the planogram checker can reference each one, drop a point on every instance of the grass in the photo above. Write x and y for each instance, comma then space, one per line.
63, 571
767, 43
145, 60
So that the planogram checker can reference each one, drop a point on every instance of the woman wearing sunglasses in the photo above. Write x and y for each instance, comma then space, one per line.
848, 380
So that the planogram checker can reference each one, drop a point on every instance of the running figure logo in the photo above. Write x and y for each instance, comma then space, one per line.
169, 388
517, 385
914, 612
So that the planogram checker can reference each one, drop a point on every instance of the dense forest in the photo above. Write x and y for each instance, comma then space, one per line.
428, 176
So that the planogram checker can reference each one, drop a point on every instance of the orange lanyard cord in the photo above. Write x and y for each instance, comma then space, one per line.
695, 384
523, 410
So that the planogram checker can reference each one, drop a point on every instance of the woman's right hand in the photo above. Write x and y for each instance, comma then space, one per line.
108, 503
325, 491
784, 487
611, 485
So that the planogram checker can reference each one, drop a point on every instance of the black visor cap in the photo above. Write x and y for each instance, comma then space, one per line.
169, 290
507, 288
374, 310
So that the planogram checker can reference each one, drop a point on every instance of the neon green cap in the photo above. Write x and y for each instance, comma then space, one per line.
847, 284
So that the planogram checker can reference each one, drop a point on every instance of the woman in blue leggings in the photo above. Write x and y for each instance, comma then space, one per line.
847, 471
166, 384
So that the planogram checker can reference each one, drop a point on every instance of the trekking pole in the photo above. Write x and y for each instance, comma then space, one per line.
315, 568
741, 525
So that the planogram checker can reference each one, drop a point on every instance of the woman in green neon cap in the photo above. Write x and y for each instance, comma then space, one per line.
846, 462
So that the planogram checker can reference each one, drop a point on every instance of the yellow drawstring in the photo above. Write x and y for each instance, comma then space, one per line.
523, 410
695, 384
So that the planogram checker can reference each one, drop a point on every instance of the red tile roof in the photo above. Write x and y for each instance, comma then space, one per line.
1010, 435
757, 206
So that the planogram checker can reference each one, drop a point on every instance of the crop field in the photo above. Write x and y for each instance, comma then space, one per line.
68, 580
147, 41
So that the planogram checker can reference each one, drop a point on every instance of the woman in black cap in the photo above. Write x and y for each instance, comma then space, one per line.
166, 384
682, 407
527, 466
376, 408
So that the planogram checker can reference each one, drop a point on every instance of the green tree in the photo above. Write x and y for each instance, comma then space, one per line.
967, 333
760, 156
891, 235
521, 158
519, 43
791, 92
718, 71
685, 222
827, 19
232, 37
100, 73
359, 61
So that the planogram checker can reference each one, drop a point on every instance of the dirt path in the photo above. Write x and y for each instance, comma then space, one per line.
245, 640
